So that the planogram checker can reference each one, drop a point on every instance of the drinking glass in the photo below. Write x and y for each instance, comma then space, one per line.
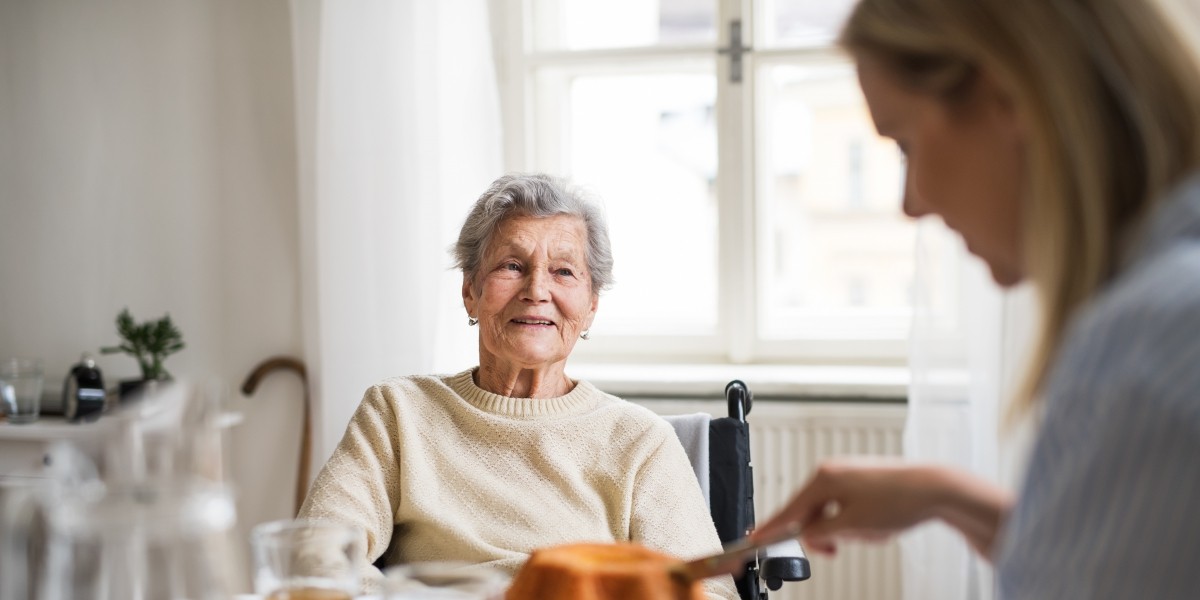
304, 559
444, 581
21, 389
151, 540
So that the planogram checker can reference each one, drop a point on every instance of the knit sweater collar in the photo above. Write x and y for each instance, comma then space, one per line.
583, 398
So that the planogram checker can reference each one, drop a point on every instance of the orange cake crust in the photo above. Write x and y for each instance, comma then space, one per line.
621, 571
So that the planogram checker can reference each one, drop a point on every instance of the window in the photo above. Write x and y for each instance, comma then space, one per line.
754, 211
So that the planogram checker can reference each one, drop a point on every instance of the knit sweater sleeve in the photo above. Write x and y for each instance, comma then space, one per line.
670, 513
360, 482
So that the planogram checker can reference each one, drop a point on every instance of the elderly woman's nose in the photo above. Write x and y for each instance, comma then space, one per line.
537, 285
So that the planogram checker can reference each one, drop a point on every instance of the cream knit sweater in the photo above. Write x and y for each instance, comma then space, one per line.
443, 470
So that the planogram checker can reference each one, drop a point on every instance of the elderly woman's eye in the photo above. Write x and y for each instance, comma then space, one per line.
512, 266
565, 272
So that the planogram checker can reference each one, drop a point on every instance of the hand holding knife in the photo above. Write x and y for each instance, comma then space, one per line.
733, 558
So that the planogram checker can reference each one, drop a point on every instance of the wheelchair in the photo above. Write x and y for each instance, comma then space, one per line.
730, 476
726, 467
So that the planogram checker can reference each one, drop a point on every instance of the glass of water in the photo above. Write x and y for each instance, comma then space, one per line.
304, 559
21, 389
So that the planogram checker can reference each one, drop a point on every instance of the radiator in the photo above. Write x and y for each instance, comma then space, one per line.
787, 439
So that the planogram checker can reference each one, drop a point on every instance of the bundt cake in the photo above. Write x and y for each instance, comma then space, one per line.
621, 571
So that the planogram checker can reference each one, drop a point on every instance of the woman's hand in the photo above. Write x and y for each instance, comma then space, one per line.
872, 500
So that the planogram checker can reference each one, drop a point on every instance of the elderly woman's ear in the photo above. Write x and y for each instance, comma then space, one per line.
469, 297
595, 305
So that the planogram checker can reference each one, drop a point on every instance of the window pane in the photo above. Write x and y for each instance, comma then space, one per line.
591, 24
836, 254
646, 144
802, 22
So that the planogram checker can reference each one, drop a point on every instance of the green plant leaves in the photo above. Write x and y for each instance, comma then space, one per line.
150, 343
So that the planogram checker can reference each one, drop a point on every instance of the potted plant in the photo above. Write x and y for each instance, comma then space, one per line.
150, 343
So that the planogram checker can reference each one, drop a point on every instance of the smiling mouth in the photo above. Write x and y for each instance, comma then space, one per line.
533, 322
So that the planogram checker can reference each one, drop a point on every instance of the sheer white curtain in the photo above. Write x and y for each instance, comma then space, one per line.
967, 350
398, 130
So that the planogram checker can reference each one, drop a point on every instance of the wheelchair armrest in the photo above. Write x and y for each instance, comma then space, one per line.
782, 562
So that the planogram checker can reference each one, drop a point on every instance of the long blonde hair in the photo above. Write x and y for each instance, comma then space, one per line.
1110, 92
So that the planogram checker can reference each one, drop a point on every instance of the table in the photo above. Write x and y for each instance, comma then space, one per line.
23, 447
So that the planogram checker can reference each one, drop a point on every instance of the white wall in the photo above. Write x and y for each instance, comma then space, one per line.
147, 160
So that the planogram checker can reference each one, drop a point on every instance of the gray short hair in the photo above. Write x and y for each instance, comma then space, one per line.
535, 195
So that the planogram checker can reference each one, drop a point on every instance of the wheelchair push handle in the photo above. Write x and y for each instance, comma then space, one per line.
738, 396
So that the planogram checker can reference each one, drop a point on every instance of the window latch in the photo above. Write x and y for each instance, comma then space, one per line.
735, 50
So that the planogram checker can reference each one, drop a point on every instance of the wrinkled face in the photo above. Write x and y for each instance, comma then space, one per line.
533, 293
965, 162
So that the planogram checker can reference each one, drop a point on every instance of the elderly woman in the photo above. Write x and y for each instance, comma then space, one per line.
488, 464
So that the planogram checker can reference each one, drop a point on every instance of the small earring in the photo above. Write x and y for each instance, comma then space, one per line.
587, 334
472, 321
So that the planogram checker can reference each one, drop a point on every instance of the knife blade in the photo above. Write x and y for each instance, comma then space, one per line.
735, 554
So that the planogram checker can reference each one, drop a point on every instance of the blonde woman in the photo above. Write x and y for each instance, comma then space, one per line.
1061, 139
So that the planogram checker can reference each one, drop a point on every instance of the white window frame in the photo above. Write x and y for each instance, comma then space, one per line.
736, 341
